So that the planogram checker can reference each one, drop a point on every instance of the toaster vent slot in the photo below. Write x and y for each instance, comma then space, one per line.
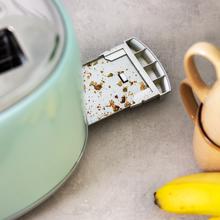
11, 54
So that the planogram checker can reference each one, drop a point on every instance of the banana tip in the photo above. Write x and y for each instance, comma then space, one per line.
156, 201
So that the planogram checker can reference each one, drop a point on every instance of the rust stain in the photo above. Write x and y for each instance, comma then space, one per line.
123, 99
110, 75
120, 83
127, 104
125, 89
97, 86
132, 82
115, 108
142, 86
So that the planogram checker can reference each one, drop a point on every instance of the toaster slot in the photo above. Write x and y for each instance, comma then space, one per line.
11, 54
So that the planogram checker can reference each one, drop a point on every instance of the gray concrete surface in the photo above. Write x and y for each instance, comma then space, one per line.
133, 153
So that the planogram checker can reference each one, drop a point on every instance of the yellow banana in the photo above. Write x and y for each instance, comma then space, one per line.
195, 194
215, 218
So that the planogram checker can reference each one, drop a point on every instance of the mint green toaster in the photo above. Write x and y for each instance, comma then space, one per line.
43, 129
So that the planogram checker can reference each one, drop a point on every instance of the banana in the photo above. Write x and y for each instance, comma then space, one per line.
195, 194
215, 218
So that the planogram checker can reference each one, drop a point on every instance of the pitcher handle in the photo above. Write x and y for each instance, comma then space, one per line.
211, 53
189, 100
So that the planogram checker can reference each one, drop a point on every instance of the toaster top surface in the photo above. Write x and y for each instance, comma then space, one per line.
32, 39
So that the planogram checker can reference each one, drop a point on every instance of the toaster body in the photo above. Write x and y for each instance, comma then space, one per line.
43, 128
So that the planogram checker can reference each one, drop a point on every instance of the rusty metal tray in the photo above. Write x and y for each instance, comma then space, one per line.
124, 77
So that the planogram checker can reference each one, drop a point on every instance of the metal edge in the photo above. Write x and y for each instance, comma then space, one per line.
140, 69
158, 61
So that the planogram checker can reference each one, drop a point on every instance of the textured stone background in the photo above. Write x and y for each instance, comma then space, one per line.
133, 153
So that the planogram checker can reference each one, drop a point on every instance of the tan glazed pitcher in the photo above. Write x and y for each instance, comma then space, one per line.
206, 114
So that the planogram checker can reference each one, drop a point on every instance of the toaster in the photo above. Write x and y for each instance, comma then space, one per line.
43, 127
